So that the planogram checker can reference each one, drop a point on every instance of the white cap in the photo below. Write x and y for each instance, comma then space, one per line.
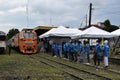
106, 41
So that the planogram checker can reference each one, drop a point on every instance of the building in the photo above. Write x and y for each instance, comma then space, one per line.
101, 24
42, 29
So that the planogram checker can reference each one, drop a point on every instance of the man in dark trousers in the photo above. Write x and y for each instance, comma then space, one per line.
9, 47
97, 53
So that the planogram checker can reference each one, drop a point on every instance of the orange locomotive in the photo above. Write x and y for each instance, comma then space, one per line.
26, 41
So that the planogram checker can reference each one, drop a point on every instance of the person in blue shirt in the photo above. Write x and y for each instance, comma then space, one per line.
59, 50
71, 51
75, 50
105, 53
53, 49
81, 51
66, 50
87, 50
97, 53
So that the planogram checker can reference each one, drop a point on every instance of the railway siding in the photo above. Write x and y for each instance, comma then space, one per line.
115, 60
97, 71
80, 74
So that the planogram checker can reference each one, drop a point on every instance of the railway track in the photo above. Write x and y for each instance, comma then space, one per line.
115, 60
71, 74
51, 65
110, 70
112, 73
78, 73
85, 74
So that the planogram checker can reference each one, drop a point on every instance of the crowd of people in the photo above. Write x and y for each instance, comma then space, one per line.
77, 50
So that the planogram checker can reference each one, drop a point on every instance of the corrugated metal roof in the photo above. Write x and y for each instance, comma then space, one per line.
44, 27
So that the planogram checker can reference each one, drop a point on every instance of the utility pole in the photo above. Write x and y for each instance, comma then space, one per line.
90, 14
86, 19
27, 13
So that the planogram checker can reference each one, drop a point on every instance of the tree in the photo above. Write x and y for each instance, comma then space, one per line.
108, 27
107, 23
11, 33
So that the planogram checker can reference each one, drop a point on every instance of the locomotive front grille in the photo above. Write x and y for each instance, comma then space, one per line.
29, 50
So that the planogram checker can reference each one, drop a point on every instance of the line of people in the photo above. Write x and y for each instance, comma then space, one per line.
76, 51
71, 50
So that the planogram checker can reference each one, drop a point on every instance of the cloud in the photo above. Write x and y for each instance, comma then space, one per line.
5, 5
7, 26
58, 10
50, 7
1, 13
18, 9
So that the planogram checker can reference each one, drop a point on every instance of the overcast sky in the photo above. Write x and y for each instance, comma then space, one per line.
71, 13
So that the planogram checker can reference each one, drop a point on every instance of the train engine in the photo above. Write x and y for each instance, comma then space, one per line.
28, 42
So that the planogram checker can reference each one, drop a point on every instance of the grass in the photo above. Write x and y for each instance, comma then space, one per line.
21, 67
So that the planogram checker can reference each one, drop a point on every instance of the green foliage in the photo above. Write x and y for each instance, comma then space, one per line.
107, 23
108, 27
11, 33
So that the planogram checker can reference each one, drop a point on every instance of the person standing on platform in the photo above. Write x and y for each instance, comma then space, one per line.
97, 53
68, 47
71, 51
88, 51
53, 49
65, 50
81, 52
105, 53
75, 50
50, 45
60, 50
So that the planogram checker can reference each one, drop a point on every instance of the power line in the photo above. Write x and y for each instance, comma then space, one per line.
107, 13
82, 21
108, 7
83, 18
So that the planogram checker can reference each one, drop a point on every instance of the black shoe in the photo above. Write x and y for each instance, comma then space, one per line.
106, 67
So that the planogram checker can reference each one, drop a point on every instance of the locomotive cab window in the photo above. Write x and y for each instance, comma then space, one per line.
29, 35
